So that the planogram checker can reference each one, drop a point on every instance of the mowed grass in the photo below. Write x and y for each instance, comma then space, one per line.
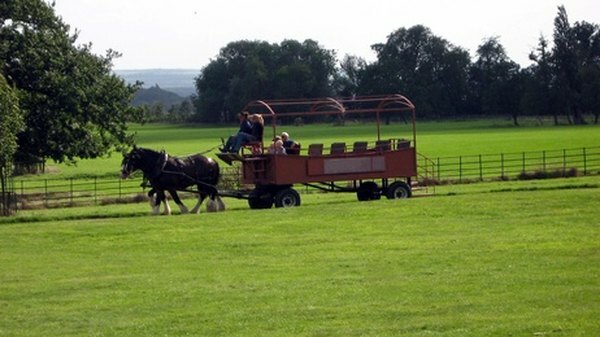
490, 259
434, 139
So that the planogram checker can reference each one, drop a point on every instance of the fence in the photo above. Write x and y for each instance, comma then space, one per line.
61, 192
517, 164
49, 193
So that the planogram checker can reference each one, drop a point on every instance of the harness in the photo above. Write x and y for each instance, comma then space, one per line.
159, 170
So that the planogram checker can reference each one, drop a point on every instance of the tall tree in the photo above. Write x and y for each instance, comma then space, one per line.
538, 95
587, 40
567, 67
11, 122
423, 66
496, 80
347, 77
248, 70
74, 106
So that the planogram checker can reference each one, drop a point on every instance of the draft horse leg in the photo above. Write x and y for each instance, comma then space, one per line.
175, 197
156, 198
201, 196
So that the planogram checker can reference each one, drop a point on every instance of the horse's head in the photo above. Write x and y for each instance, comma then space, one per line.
130, 163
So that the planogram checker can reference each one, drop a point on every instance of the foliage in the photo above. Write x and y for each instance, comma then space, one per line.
427, 68
568, 75
250, 70
11, 122
520, 263
494, 80
440, 78
74, 106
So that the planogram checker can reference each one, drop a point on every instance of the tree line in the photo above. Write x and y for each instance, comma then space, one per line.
440, 78
61, 102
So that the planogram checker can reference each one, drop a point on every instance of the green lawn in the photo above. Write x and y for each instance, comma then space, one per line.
493, 259
434, 139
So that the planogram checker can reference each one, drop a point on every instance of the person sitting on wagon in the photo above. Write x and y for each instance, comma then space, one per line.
277, 146
290, 146
244, 131
256, 133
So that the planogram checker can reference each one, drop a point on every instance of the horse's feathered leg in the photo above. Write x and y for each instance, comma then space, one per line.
156, 197
220, 204
178, 201
201, 197
167, 210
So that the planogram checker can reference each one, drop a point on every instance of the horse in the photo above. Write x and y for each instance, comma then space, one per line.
172, 174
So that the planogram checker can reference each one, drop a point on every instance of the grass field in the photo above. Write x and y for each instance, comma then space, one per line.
516, 258
491, 259
434, 139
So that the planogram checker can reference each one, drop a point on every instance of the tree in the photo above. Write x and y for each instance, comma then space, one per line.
249, 70
74, 106
425, 67
538, 96
567, 67
11, 122
587, 40
347, 77
496, 81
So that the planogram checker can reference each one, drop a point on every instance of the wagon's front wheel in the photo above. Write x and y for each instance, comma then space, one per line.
398, 190
368, 190
287, 197
260, 199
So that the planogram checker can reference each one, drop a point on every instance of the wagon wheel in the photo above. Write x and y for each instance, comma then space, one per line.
260, 199
287, 197
368, 191
398, 190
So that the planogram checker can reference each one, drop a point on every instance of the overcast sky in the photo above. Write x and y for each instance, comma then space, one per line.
189, 33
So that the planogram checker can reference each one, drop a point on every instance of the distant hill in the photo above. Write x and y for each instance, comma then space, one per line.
179, 81
155, 95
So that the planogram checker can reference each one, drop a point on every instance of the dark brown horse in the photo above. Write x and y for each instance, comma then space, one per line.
172, 174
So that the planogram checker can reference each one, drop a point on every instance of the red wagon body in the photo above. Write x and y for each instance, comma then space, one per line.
393, 161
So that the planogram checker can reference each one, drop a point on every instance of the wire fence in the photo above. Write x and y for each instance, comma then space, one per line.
515, 165
54, 193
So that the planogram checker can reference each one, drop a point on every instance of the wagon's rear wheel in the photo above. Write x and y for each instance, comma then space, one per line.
260, 199
288, 197
368, 191
398, 190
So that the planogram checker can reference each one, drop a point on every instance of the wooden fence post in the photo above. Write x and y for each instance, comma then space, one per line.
71, 191
460, 169
544, 161
584, 162
46, 192
502, 165
480, 169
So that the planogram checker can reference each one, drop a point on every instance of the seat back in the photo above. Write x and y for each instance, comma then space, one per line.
337, 148
315, 149
360, 146
383, 145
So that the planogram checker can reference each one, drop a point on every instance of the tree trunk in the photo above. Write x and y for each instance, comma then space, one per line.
515, 121
578, 117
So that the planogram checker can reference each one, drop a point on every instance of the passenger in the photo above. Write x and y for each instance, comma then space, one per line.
245, 129
290, 146
277, 146
256, 133
287, 142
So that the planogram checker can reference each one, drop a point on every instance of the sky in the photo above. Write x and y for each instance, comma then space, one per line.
188, 34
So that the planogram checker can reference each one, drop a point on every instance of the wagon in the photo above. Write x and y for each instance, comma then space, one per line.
369, 168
